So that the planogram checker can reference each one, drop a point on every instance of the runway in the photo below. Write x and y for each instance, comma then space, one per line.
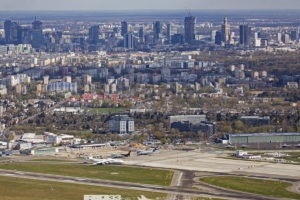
133, 186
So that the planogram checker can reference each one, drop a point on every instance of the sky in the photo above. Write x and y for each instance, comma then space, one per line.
11, 5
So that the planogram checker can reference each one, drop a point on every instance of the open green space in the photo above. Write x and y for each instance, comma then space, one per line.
107, 172
51, 160
108, 110
252, 185
27, 189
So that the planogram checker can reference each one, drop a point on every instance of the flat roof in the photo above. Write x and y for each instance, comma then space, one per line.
262, 134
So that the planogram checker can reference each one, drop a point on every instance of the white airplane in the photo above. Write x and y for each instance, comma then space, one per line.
107, 161
142, 153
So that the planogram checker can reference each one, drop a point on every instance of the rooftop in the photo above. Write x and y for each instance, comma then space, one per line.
263, 134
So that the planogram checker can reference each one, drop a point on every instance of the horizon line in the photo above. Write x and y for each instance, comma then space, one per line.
137, 10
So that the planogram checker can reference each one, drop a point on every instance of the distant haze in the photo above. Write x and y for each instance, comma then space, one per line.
9, 5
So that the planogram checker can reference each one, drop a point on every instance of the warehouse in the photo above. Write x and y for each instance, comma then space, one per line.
255, 138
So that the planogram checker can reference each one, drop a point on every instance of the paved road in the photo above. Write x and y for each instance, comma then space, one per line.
133, 186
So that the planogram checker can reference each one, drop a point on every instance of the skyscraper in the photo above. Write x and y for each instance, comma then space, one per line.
157, 27
124, 28
218, 38
169, 33
37, 34
226, 31
25, 35
189, 29
294, 35
213, 36
12, 32
142, 34
94, 34
129, 41
245, 33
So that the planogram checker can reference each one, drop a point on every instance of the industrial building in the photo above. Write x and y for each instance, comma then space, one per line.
263, 138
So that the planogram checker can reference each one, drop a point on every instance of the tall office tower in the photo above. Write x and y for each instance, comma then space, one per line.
24, 35
218, 39
245, 33
169, 33
286, 38
189, 29
157, 27
295, 35
37, 34
12, 32
141, 35
213, 37
279, 37
129, 41
94, 34
226, 31
124, 28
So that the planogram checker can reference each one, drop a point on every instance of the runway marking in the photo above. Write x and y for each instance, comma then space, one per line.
179, 179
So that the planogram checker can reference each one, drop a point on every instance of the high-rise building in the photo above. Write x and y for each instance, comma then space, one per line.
25, 35
94, 32
157, 29
169, 33
141, 35
213, 37
129, 41
37, 34
294, 35
286, 38
226, 31
279, 37
245, 33
177, 39
12, 32
189, 29
124, 28
218, 39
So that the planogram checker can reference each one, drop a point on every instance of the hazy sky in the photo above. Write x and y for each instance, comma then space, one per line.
146, 4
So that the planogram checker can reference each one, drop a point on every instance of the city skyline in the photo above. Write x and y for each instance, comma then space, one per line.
27, 5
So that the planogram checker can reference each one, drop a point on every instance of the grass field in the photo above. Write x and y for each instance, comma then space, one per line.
51, 160
258, 186
26, 189
107, 172
108, 110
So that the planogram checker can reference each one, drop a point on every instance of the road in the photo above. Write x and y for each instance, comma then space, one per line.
133, 186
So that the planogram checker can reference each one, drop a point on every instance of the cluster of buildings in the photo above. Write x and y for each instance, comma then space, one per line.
126, 36
36, 144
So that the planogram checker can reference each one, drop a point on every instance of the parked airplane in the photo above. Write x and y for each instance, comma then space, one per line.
107, 161
142, 153
121, 155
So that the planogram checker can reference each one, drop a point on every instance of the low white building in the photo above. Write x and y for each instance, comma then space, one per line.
54, 139
32, 138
